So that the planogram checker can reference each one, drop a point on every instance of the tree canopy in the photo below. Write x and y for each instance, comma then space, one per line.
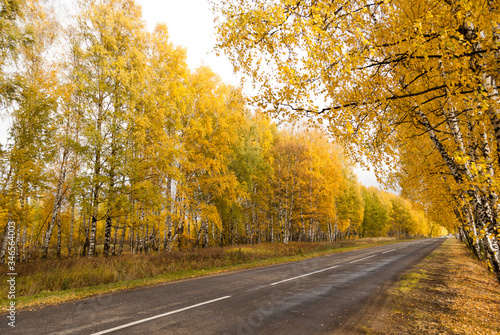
398, 81
117, 146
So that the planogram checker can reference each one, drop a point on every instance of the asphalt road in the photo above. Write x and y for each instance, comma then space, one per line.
316, 296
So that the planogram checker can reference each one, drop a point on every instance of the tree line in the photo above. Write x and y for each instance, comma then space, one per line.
116, 145
412, 85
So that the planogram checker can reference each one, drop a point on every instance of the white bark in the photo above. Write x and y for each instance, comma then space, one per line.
122, 240
58, 246
70, 237
57, 203
449, 161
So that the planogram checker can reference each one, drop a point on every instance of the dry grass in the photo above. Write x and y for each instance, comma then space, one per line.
448, 293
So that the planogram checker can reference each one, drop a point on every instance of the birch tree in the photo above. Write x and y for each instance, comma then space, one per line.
108, 48
12, 35
365, 69
35, 94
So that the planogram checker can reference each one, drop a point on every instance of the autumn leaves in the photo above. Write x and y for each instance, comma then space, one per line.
410, 84
116, 146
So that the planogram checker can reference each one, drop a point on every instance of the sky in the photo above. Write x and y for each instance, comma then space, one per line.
191, 25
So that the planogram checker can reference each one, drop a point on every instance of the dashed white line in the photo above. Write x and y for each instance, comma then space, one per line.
159, 316
304, 275
357, 260
322, 270
389, 251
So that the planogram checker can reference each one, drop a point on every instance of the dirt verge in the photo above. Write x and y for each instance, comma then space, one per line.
449, 292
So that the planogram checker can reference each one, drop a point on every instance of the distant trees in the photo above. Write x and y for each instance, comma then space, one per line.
376, 217
116, 146
411, 85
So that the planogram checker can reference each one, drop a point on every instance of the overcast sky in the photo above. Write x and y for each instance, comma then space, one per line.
190, 24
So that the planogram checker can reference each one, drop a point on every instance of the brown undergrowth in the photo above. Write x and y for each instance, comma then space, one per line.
447, 293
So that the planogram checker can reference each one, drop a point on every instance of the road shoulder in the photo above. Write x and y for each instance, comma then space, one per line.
449, 292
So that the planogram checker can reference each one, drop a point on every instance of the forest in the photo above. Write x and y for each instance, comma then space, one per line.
410, 85
115, 146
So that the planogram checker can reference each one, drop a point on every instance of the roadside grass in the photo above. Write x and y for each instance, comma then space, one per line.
411, 281
449, 292
51, 281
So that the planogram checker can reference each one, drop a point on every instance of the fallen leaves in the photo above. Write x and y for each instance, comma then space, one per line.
457, 295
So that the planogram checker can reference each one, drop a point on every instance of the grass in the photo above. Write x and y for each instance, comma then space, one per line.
449, 292
52, 281
410, 281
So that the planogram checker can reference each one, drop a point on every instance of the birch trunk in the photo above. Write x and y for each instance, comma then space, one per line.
146, 239
484, 215
122, 239
107, 236
95, 211
272, 228
71, 224
449, 161
96, 182
493, 196
58, 246
131, 238
18, 241
3, 248
169, 236
92, 235
86, 225
489, 79
57, 204
23, 244
205, 234
115, 238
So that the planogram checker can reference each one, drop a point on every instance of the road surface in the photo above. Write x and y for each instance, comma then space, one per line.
315, 296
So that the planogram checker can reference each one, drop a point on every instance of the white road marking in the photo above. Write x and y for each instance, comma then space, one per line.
389, 251
159, 316
304, 275
357, 260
